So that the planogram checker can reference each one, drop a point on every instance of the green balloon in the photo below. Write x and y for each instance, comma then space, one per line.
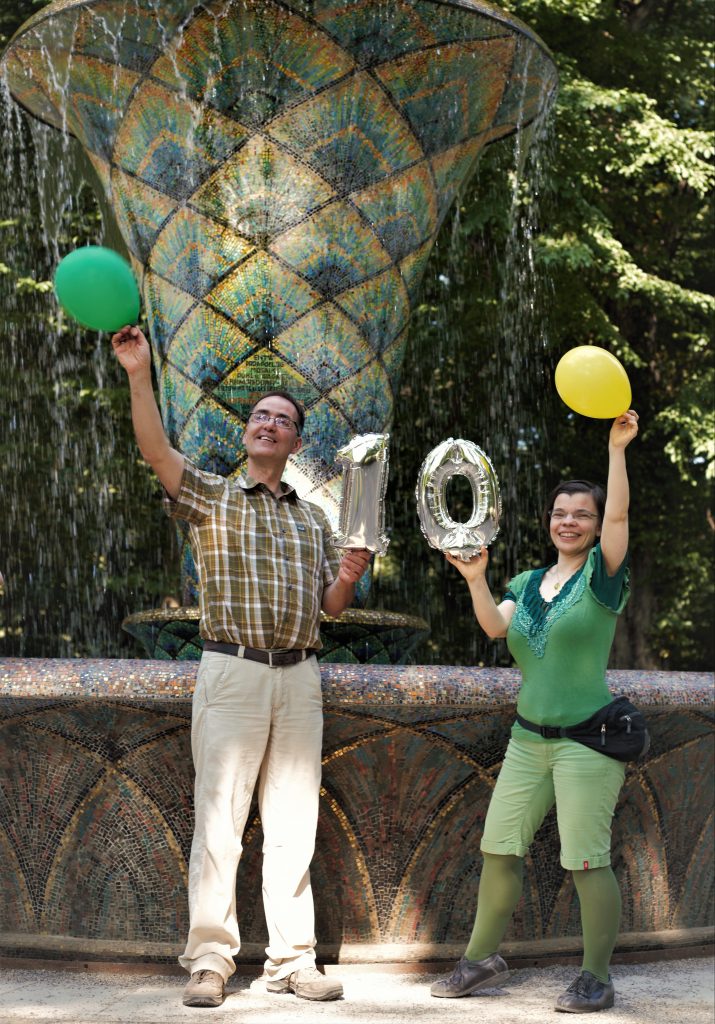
96, 287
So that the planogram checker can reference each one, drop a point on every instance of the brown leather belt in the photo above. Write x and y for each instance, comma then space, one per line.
274, 659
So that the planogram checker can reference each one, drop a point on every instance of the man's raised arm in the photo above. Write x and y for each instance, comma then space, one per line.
132, 350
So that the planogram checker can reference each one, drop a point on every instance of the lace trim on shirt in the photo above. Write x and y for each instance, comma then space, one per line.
534, 616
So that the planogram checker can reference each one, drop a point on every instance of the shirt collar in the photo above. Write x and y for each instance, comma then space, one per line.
247, 483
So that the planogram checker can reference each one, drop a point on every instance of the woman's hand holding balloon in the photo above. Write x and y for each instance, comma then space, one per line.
474, 568
493, 620
624, 429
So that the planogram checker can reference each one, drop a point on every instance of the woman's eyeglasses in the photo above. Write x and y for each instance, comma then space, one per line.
581, 516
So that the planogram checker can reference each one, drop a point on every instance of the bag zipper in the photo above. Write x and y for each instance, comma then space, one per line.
628, 719
603, 735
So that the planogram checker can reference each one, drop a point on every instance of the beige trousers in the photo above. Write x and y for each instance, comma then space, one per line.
251, 722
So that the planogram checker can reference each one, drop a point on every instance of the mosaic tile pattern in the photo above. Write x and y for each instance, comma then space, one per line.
96, 805
279, 171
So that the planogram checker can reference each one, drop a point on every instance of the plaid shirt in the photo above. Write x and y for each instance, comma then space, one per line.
263, 562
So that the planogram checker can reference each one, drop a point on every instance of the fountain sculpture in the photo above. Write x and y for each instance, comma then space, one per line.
279, 172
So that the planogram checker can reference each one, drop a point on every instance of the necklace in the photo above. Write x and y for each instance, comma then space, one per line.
559, 582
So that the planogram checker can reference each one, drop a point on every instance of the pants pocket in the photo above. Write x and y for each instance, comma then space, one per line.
213, 670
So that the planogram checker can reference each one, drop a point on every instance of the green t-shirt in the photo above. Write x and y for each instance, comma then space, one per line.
562, 646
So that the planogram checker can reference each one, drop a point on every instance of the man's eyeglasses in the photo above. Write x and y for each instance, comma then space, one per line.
582, 516
282, 422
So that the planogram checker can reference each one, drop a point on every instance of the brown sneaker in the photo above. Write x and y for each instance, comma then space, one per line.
307, 983
204, 989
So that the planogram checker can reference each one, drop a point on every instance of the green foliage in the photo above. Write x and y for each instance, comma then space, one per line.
14, 14
623, 246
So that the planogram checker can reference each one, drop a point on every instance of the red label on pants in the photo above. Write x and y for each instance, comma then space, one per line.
585, 865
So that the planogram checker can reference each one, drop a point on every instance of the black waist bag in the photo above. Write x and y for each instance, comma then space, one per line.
617, 730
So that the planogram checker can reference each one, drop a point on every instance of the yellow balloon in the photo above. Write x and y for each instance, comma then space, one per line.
593, 383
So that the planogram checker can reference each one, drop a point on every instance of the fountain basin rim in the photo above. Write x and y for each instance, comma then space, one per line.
417, 686
368, 616
43, 950
480, 7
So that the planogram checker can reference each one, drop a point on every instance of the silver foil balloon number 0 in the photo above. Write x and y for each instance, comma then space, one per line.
365, 462
458, 458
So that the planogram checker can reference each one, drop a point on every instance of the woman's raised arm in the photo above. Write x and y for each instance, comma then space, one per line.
614, 531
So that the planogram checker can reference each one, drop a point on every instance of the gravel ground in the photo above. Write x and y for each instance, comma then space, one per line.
671, 992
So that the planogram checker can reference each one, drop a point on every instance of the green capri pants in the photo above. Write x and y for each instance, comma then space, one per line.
582, 783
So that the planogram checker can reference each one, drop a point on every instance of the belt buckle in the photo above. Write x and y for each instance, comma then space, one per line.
551, 732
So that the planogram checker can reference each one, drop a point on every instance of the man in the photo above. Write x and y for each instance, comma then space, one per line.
266, 567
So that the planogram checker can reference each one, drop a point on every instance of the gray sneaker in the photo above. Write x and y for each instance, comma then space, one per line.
470, 975
307, 983
586, 995
204, 989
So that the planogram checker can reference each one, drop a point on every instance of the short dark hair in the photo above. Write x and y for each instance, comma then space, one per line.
300, 411
575, 487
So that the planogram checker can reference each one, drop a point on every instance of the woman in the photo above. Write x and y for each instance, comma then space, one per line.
559, 623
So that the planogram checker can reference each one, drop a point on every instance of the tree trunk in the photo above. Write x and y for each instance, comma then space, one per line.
639, 12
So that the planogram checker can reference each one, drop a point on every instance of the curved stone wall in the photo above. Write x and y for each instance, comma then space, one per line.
96, 808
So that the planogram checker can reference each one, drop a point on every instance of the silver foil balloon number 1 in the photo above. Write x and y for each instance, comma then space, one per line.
458, 458
362, 509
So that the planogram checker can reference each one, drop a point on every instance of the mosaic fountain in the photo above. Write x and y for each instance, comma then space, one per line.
279, 172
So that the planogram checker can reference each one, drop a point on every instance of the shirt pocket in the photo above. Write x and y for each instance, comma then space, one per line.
310, 554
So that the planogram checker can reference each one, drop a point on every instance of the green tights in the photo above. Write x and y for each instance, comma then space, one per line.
500, 890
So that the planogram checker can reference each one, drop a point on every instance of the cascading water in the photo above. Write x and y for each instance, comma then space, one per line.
519, 381
481, 330
71, 561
